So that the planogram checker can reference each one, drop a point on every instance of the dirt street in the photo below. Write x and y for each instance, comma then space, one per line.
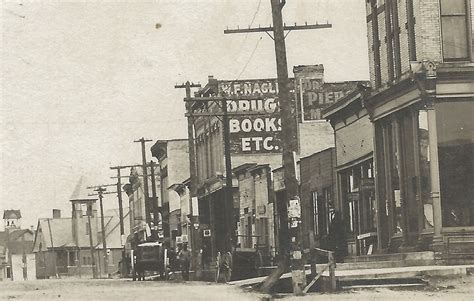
115, 289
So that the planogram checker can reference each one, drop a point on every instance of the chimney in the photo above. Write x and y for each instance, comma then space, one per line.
56, 213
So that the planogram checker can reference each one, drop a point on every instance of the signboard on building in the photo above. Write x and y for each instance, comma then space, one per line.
367, 183
313, 94
259, 132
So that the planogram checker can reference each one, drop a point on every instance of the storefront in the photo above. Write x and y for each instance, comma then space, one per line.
424, 138
255, 224
354, 166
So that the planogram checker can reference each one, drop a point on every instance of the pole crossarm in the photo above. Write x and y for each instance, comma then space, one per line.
270, 28
143, 139
184, 85
101, 186
125, 166
108, 192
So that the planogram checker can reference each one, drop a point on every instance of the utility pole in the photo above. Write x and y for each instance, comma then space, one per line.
289, 144
145, 180
195, 234
100, 190
155, 202
91, 242
122, 231
229, 199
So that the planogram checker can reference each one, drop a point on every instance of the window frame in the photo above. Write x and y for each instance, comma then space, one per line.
467, 22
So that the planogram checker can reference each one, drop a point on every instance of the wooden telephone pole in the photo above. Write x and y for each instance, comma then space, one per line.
100, 191
120, 203
289, 143
195, 234
145, 180
154, 199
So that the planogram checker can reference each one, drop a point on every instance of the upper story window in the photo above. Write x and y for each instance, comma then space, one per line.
454, 30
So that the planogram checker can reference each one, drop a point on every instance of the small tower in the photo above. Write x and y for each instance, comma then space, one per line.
84, 215
12, 219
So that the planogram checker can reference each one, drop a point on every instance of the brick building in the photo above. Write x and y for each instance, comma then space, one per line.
318, 193
255, 138
421, 106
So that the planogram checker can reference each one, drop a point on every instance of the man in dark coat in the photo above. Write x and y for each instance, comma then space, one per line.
337, 237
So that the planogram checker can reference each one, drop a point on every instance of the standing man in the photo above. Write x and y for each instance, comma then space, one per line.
185, 260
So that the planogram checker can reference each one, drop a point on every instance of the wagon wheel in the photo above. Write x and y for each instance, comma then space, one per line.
227, 265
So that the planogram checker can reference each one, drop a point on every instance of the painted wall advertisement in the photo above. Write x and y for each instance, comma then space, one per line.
313, 95
259, 132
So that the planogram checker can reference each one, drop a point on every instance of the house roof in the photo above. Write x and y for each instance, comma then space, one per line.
57, 232
11, 214
14, 235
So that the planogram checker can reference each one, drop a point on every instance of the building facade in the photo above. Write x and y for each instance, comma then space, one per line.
173, 164
17, 260
73, 246
421, 106
353, 136
318, 193
255, 227
254, 134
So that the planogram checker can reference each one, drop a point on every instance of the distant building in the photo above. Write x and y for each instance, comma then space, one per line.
17, 261
173, 158
72, 246
136, 197
12, 219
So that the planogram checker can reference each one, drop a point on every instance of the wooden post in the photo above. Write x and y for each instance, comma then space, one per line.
332, 271
145, 180
91, 242
104, 240
195, 235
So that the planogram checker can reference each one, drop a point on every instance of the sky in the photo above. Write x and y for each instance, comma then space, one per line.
81, 80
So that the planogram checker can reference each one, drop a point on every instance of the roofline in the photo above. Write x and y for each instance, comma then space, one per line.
323, 150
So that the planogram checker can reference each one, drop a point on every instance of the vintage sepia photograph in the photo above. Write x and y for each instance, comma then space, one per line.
259, 150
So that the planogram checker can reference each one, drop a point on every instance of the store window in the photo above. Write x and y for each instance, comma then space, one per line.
425, 171
392, 140
350, 198
454, 29
455, 131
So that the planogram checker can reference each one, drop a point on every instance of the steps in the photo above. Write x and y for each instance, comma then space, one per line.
400, 270
410, 256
